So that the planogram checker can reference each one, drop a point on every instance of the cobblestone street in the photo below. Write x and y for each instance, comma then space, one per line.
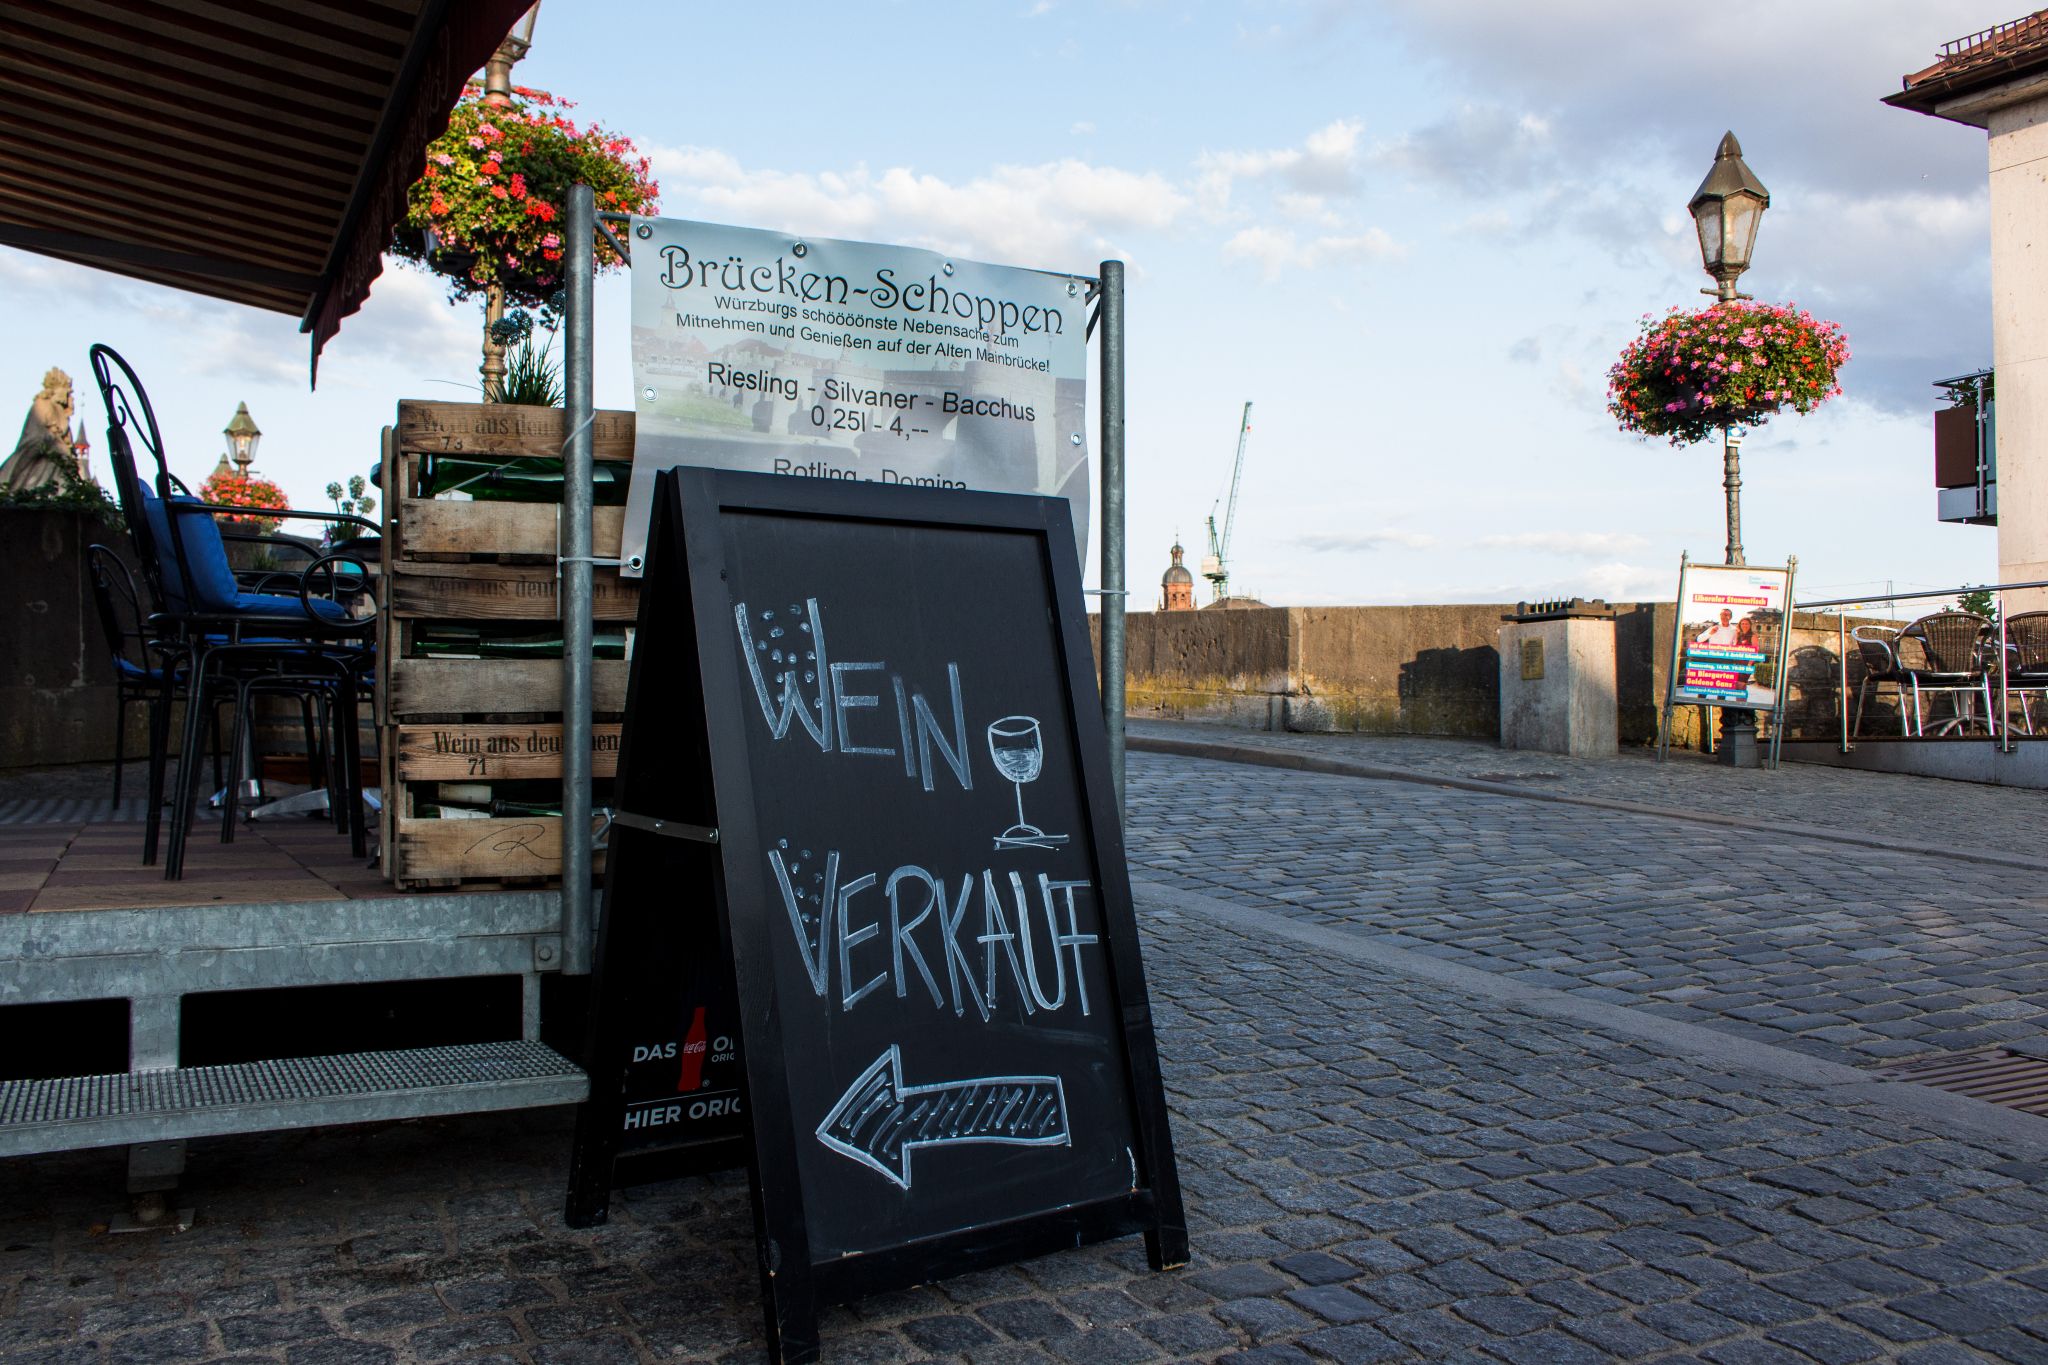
1454, 1076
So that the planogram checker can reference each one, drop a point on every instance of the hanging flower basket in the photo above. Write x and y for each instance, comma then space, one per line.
1731, 364
244, 490
492, 204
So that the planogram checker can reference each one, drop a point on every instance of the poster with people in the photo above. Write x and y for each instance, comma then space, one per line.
1729, 620
856, 361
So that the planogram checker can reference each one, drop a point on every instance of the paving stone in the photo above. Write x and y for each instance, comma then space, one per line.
189, 1341
1335, 1303
259, 1331
339, 1351
1027, 1319
462, 1338
1186, 1333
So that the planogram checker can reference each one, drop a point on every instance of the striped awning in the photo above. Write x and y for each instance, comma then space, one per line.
253, 151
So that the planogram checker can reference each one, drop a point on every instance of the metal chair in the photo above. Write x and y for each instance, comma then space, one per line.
1944, 653
2026, 660
1875, 645
227, 642
141, 673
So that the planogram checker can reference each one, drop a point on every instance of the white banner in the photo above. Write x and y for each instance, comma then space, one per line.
851, 360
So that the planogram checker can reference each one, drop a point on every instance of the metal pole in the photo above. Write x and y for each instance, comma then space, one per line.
2004, 730
1731, 480
575, 587
1842, 660
1781, 683
1112, 332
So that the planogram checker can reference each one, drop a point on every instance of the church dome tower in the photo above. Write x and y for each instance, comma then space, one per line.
1177, 585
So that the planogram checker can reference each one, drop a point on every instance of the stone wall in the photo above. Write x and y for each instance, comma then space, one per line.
56, 680
1422, 670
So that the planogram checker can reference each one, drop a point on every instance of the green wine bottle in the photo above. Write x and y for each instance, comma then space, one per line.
517, 478
514, 640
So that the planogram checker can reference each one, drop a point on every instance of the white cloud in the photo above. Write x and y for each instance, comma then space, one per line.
1312, 209
1326, 163
1612, 582
1385, 538
1479, 149
1278, 250
1056, 210
1572, 544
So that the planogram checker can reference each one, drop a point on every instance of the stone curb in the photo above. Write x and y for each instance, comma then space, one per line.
1694, 1042
1223, 751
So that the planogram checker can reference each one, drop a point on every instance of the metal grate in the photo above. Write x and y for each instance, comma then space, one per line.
1993, 1074
86, 1111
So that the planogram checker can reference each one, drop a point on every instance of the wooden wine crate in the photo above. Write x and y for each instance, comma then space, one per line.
520, 851
489, 752
491, 719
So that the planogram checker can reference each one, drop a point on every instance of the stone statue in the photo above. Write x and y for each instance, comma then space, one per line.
44, 454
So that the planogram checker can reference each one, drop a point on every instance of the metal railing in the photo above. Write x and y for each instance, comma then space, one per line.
2000, 727
1972, 44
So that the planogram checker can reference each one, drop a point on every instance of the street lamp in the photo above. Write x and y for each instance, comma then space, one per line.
243, 435
1726, 209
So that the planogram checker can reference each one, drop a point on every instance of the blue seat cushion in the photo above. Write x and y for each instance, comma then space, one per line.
214, 589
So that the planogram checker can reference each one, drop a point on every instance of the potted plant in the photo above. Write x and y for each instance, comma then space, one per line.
488, 210
1731, 364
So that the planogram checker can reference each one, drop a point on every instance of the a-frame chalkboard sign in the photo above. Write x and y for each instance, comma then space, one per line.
866, 906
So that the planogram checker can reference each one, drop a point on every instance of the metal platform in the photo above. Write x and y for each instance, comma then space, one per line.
284, 907
161, 1106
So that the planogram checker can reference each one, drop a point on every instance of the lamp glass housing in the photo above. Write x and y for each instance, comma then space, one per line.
243, 436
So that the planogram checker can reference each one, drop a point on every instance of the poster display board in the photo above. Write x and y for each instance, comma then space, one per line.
864, 782
1726, 618
852, 361
1732, 642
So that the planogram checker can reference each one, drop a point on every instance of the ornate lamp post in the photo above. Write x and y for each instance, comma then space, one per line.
242, 437
498, 91
1726, 210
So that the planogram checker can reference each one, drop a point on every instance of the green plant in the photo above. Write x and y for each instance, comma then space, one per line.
358, 502
1980, 602
532, 376
73, 492
1731, 364
488, 208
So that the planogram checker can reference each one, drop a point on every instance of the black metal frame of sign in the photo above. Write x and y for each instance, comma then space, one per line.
992, 1091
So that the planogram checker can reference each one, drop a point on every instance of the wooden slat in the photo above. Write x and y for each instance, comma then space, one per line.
514, 592
477, 850
428, 527
461, 753
506, 429
517, 686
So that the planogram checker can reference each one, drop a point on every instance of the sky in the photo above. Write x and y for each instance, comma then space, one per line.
1414, 234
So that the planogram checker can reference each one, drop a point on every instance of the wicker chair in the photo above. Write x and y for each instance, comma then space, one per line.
1875, 646
1944, 652
2026, 660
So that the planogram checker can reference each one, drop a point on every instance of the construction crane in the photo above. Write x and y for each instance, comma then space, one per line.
1216, 564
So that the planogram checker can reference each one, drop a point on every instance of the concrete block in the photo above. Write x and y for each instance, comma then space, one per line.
1557, 687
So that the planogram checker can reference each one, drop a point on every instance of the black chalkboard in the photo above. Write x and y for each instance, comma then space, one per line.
869, 833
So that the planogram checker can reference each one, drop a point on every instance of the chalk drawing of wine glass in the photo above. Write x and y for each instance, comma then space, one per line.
1018, 749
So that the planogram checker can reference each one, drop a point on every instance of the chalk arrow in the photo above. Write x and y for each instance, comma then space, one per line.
879, 1121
